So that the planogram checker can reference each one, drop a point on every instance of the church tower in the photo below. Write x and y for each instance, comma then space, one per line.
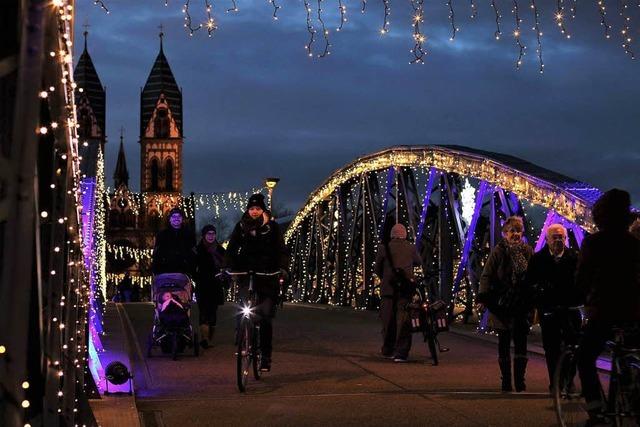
90, 105
161, 136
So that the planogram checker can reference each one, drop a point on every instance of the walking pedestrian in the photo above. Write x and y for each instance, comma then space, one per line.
551, 274
209, 288
504, 292
609, 276
256, 244
173, 251
394, 265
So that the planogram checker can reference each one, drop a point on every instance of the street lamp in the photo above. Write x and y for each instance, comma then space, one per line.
271, 184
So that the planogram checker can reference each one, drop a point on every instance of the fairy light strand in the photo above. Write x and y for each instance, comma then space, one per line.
498, 32
387, 13
325, 32
102, 6
418, 38
559, 17
452, 20
626, 30
474, 10
234, 7
364, 6
536, 28
310, 29
343, 14
276, 8
209, 24
517, 33
602, 8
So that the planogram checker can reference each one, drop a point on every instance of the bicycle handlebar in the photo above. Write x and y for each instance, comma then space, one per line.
245, 273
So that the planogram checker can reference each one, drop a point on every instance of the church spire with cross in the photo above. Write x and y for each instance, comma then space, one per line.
121, 174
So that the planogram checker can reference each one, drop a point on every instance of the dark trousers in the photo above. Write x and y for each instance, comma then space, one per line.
396, 329
208, 313
559, 328
592, 345
518, 333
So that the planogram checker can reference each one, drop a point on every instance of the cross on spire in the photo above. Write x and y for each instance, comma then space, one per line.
161, 35
86, 32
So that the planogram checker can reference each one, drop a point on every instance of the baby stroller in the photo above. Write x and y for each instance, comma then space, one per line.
172, 331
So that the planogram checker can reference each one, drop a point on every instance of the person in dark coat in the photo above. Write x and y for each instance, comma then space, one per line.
504, 291
551, 274
396, 328
125, 288
256, 244
609, 276
209, 288
173, 251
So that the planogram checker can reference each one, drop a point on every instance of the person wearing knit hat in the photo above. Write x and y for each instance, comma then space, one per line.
256, 244
394, 266
210, 290
173, 248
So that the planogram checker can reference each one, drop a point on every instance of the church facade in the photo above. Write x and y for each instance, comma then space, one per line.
133, 219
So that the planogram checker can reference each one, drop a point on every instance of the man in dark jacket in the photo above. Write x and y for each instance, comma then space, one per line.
173, 250
551, 273
396, 330
256, 244
609, 275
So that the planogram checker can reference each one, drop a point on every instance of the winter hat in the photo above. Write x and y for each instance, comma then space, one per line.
612, 211
207, 228
398, 231
256, 200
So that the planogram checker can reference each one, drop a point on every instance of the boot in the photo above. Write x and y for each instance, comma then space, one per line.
519, 369
212, 331
204, 333
505, 371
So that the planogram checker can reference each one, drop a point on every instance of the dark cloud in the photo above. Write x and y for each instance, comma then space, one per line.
256, 105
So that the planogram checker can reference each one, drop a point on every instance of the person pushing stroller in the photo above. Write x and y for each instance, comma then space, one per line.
256, 244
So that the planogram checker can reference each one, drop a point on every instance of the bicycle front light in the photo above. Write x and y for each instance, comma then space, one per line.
246, 311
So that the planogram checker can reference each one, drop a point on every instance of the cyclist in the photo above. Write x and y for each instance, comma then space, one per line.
551, 273
256, 244
609, 274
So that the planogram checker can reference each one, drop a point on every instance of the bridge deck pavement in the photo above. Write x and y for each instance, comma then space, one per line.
326, 371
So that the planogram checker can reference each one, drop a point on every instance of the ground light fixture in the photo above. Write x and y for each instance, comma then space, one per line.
117, 373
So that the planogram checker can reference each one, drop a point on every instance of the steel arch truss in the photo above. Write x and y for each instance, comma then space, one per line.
335, 237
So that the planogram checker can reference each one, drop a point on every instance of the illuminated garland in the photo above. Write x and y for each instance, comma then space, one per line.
559, 15
120, 252
419, 38
516, 33
526, 186
139, 281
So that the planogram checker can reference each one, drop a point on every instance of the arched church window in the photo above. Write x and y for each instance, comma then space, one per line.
154, 175
161, 123
168, 173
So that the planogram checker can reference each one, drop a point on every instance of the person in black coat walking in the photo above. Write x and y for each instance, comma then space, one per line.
551, 274
210, 290
256, 244
173, 251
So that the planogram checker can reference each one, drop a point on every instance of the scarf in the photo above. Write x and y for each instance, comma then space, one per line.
250, 226
212, 250
518, 255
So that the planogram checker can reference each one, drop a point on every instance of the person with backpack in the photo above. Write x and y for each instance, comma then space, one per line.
394, 265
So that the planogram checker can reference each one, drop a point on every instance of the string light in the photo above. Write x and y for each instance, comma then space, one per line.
498, 32
418, 38
275, 9
626, 31
536, 28
602, 8
101, 4
387, 13
343, 14
325, 32
234, 7
474, 9
452, 20
560, 18
517, 33
310, 29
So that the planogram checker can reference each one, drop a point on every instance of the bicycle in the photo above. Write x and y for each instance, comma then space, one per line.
621, 403
427, 318
248, 333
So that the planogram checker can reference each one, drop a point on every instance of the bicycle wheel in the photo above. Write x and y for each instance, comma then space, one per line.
257, 353
567, 392
624, 393
430, 337
243, 356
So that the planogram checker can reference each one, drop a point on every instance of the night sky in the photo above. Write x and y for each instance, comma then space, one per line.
255, 105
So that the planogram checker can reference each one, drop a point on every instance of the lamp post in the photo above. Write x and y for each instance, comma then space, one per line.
271, 184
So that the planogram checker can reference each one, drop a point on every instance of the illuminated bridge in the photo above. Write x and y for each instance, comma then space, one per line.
453, 201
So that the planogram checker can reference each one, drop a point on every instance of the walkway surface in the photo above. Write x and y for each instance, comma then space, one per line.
327, 371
